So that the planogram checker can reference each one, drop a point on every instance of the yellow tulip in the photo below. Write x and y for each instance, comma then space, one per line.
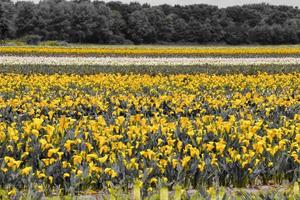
111, 172
52, 151
185, 161
26, 171
103, 159
37, 123
77, 159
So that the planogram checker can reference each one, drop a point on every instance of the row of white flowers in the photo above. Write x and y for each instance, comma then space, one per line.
143, 61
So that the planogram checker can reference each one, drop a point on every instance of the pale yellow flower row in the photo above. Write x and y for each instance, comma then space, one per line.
157, 51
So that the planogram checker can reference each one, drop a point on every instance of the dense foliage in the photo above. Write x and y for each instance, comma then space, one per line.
91, 132
85, 21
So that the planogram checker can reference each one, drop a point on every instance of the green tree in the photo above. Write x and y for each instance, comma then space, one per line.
25, 16
139, 28
7, 17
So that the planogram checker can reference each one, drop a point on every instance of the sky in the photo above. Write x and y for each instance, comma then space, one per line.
220, 3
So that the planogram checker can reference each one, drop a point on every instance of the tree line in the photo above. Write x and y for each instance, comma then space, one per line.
85, 21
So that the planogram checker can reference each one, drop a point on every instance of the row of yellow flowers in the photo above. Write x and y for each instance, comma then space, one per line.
156, 51
96, 131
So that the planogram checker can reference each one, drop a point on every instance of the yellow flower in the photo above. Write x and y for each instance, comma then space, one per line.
103, 159
153, 180
194, 152
35, 132
52, 151
90, 157
50, 178
295, 156
111, 172
77, 159
50, 114
24, 155
259, 146
79, 172
165, 179
50, 130
94, 168
210, 146
40, 175
190, 133
60, 154
68, 144
201, 166
297, 138
37, 123
138, 183
44, 144
66, 175
199, 140
4, 169
12, 192
26, 171
220, 146
8, 159
179, 145
250, 170
148, 154
270, 164
185, 161
40, 188
89, 146
214, 160
13, 134
11, 162
65, 164
174, 163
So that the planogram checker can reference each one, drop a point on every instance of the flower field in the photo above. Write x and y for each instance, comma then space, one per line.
94, 132
142, 120
151, 50
146, 61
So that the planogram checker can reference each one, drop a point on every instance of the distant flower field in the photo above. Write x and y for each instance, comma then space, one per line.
150, 50
146, 61
96, 131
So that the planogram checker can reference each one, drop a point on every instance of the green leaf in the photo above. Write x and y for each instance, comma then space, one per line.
164, 194
296, 188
